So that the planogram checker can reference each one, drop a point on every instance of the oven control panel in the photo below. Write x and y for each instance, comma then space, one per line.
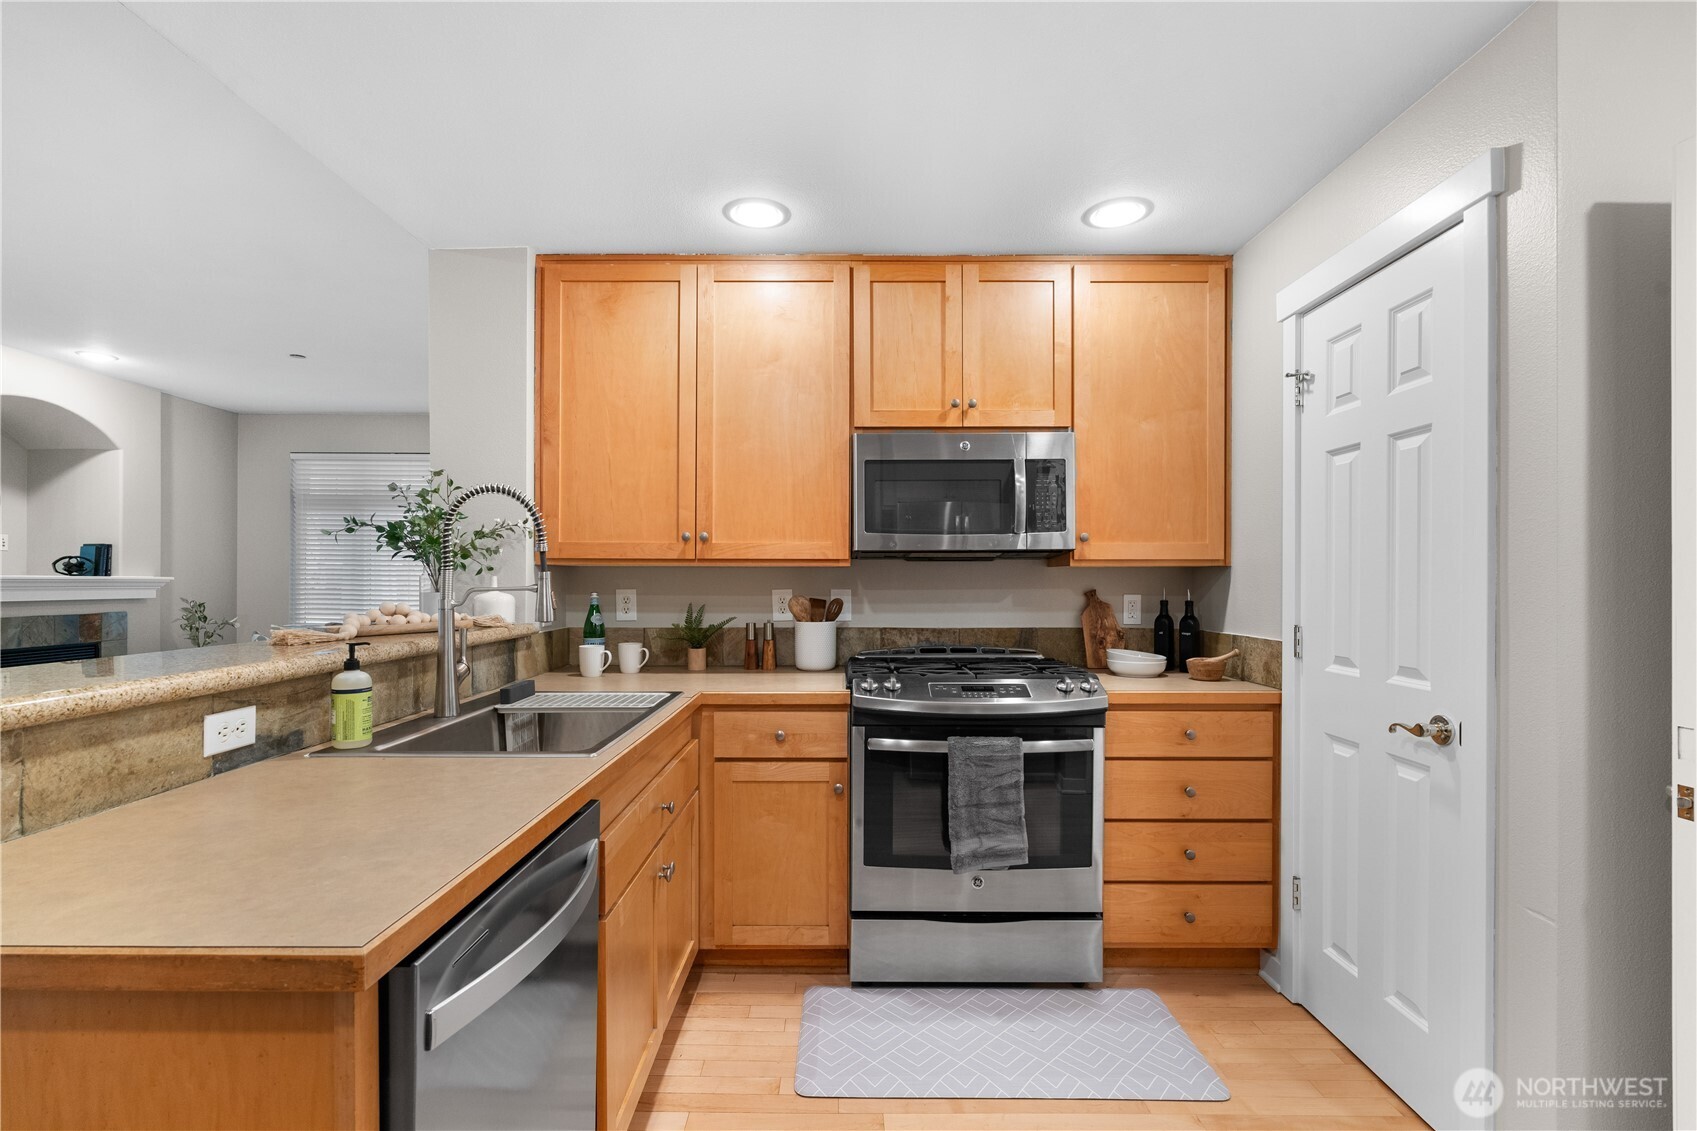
979, 691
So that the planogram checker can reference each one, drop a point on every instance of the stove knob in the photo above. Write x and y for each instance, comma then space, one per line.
1089, 685
1065, 686
868, 685
892, 685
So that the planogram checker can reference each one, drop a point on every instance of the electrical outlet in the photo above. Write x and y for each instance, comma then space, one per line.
781, 604
229, 730
624, 604
1133, 609
5, 542
848, 603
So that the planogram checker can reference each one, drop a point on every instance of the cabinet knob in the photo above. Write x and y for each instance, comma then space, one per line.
1084, 537
1190, 854
704, 535
667, 869
686, 536
973, 403
1190, 791
1190, 736
954, 402
780, 736
669, 807
1190, 916
837, 789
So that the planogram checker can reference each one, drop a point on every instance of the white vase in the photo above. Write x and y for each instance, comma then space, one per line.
505, 605
429, 600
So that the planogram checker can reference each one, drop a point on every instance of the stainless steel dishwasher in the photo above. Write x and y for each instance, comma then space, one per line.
491, 1024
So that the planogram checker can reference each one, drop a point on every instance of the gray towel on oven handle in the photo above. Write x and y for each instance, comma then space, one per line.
986, 804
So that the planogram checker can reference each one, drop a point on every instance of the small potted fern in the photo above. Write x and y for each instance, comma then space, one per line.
696, 634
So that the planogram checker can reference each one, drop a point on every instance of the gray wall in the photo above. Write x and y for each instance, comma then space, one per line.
1591, 99
263, 445
14, 505
198, 501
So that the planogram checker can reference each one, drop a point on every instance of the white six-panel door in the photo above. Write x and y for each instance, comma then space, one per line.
1394, 847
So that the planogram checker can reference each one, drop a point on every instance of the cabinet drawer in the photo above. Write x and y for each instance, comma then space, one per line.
1155, 850
1221, 915
629, 839
788, 734
1142, 733
1151, 790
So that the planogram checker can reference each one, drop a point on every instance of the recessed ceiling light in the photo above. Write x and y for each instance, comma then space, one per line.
753, 212
95, 355
1117, 213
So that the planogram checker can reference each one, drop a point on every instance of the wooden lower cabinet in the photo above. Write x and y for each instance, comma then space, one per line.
780, 853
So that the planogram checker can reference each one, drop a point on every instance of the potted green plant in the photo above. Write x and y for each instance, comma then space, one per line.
417, 535
695, 634
198, 627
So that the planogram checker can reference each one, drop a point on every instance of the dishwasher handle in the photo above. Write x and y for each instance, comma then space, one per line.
470, 1001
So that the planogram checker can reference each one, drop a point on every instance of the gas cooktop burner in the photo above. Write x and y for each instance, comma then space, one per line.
953, 679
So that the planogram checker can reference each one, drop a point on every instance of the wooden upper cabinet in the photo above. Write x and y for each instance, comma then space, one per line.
907, 364
1151, 413
772, 411
1016, 347
615, 408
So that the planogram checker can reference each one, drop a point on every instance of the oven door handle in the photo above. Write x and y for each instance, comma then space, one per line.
1026, 746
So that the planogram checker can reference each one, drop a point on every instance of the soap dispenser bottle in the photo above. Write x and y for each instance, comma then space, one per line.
1189, 634
1164, 642
350, 703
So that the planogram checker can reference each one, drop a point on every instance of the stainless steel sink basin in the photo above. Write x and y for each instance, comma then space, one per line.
481, 730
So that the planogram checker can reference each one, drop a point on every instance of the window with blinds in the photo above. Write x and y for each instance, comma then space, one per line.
331, 577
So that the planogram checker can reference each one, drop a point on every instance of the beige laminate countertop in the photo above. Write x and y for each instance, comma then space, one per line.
304, 872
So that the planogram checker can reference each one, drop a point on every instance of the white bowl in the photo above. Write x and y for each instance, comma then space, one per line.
1145, 666
1132, 654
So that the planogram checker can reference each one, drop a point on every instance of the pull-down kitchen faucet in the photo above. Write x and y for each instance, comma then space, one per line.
451, 668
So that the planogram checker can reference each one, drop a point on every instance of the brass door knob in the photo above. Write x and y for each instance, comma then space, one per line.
1439, 729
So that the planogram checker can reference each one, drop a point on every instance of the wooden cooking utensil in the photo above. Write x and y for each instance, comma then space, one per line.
1209, 669
801, 608
818, 605
1101, 630
834, 609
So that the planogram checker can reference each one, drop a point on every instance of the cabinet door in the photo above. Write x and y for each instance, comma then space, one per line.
1016, 344
628, 1011
772, 412
780, 853
907, 345
1151, 412
615, 410
675, 916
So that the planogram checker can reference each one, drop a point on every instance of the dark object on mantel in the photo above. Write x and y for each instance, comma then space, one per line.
73, 565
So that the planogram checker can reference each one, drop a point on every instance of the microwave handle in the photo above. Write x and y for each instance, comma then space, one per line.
1026, 746
1019, 491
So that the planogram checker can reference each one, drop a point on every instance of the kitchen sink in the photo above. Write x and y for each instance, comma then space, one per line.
558, 726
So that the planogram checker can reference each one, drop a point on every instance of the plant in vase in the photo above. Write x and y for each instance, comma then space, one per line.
417, 535
198, 627
696, 634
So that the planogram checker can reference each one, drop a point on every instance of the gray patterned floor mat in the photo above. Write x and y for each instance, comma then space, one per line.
978, 1043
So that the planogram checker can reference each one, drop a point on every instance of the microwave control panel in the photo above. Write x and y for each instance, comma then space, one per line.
1045, 496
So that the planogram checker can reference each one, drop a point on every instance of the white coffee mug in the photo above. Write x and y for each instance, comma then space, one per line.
632, 657
592, 660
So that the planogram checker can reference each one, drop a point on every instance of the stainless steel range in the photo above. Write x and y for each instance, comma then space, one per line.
913, 919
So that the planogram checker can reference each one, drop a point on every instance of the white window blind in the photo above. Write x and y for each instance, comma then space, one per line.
332, 577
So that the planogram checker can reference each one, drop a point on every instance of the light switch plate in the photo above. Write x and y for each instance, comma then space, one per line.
847, 596
229, 730
624, 604
781, 604
1133, 609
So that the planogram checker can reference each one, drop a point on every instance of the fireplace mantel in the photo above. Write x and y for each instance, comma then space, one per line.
54, 587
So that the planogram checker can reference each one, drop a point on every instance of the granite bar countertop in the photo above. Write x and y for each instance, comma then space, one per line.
45, 693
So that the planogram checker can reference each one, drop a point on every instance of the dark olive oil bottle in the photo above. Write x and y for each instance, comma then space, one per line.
1164, 642
1189, 634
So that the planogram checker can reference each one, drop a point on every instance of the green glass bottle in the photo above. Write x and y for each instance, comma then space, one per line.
594, 628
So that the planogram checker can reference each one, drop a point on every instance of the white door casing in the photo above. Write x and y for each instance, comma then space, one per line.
1683, 747
1390, 572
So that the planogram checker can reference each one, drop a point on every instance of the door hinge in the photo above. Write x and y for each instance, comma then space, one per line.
1296, 893
1300, 380
1296, 640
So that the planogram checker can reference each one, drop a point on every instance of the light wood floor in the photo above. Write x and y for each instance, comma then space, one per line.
728, 1062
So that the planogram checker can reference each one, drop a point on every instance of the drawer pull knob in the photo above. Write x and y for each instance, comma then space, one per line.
1190, 916
1190, 736
1190, 854
837, 789
1190, 791
666, 870
669, 807
780, 736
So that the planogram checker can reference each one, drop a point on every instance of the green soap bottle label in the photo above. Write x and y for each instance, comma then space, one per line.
350, 714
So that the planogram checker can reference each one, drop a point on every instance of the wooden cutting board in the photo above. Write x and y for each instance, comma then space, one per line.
1101, 630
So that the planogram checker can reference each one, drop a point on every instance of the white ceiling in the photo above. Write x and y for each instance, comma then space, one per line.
922, 128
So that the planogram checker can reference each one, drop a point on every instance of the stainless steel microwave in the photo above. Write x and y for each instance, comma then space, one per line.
963, 494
